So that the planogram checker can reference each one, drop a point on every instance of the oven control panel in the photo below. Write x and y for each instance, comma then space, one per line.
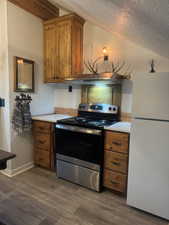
103, 108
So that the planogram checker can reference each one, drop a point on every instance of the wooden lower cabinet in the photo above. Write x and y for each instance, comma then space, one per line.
42, 127
117, 142
43, 133
42, 158
115, 181
116, 150
43, 141
115, 161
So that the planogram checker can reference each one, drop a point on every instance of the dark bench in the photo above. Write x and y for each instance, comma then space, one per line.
4, 157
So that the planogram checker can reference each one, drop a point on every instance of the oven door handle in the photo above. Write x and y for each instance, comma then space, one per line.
78, 129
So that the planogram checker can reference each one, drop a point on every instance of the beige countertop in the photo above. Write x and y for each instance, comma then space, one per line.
120, 126
52, 118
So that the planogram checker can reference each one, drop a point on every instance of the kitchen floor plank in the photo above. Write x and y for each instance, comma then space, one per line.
37, 197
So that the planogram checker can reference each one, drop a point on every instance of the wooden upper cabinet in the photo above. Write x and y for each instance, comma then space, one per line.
51, 49
63, 48
64, 53
77, 46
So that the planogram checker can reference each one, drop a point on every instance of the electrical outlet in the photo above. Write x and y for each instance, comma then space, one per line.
70, 89
2, 102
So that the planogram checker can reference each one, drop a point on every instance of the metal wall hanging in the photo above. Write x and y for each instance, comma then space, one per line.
152, 64
22, 120
119, 69
23, 98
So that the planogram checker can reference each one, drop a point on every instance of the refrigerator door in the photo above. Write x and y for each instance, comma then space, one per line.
150, 96
148, 181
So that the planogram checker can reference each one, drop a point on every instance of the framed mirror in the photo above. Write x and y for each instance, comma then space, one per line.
24, 75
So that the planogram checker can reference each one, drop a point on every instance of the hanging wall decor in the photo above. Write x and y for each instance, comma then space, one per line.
103, 67
152, 64
118, 70
22, 120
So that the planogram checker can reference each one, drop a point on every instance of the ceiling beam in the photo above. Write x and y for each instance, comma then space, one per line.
40, 8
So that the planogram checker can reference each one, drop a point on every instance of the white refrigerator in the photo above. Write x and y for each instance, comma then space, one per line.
148, 180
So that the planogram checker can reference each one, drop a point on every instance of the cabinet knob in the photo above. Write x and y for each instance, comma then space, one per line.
41, 142
116, 163
41, 128
114, 182
116, 143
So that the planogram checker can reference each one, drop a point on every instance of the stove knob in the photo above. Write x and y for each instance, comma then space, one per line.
114, 109
110, 108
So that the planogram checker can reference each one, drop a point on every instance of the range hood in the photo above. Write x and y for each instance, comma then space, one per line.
107, 78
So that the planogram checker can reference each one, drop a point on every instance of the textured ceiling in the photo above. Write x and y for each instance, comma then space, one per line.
144, 22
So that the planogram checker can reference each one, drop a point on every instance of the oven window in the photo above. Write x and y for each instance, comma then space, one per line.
86, 147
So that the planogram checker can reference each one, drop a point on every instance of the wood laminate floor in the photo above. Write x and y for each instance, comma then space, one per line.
36, 197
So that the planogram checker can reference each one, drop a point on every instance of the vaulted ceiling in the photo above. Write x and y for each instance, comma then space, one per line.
144, 22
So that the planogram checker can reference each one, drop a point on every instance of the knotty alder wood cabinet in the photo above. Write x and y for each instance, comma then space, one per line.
116, 150
43, 133
63, 48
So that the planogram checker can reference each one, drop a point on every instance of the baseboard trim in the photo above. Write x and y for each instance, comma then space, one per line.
19, 170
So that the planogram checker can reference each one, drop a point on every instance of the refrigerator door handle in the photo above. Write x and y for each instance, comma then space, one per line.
150, 119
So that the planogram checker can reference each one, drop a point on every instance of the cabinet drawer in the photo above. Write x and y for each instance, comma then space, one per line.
118, 142
42, 127
43, 141
42, 158
115, 181
116, 161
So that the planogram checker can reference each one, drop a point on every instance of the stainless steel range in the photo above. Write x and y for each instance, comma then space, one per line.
79, 144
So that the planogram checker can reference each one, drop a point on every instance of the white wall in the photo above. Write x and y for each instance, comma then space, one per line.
65, 99
25, 34
5, 137
95, 38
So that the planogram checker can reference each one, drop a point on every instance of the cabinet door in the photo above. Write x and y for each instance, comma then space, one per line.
115, 181
63, 48
117, 142
77, 48
50, 53
42, 158
64, 53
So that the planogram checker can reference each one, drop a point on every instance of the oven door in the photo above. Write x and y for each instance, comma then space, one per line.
79, 145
